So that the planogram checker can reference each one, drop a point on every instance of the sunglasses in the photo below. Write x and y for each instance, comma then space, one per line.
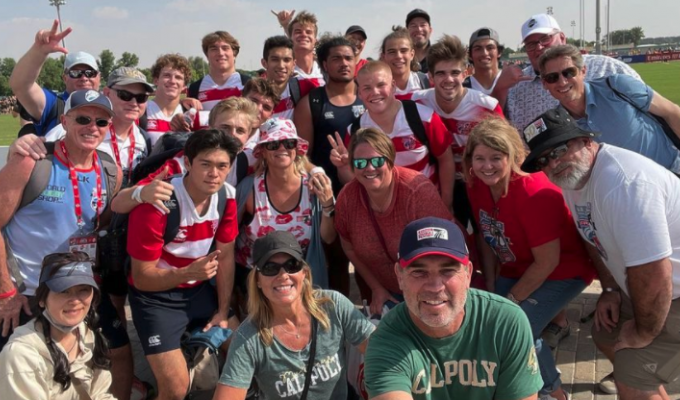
83, 120
127, 96
557, 152
543, 41
292, 266
288, 144
376, 162
77, 73
553, 77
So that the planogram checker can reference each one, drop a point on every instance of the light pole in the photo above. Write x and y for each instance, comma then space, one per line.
573, 29
58, 3
550, 11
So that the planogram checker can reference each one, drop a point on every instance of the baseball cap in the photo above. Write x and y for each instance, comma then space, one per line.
356, 29
275, 129
88, 98
127, 75
80, 57
432, 236
417, 13
548, 131
63, 278
483, 33
273, 243
539, 23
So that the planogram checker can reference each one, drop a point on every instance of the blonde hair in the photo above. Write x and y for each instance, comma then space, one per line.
261, 313
235, 105
497, 134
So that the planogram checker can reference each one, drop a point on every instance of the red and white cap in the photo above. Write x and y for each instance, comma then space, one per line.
277, 129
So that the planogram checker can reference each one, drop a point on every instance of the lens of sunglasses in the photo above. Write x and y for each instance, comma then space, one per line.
291, 266
83, 120
76, 73
128, 96
555, 76
376, 162
556, 153
288, 144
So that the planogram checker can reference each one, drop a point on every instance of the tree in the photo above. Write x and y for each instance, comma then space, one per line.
51, 75
5, 90
147, 73
637, 34
7, 66
506, 52
199, 67
106, 63
127, 60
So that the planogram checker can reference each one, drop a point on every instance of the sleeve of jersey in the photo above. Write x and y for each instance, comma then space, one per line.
498, 111
437, 134
543, 214
50, 101
228, 228
306, 86
146, 226
173, 169
636, 90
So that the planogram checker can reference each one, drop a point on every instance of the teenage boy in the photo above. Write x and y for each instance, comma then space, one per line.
171, 73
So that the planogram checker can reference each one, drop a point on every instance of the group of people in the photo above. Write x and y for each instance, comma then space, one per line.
409, 167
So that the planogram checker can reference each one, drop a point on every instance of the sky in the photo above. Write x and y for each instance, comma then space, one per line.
150, 28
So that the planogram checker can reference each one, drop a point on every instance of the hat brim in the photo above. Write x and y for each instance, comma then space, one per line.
302, 145
543, 30
129, 81
100, 106
94, 67
433, 251
529, 164
63, 283
266, 256
357, 31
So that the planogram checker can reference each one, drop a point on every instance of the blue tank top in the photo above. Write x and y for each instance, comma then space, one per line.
46, 225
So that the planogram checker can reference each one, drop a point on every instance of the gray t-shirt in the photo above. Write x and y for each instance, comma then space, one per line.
280, 371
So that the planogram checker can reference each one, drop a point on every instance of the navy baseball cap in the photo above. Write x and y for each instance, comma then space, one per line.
88, 98
432, 236
59, 279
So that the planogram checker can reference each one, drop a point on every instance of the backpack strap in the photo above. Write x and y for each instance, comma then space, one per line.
416, 125
40, 177
241, 166
424, 80
356, 124
316, 106
193, 89
294, 88
244, 78
467, 83
110, 173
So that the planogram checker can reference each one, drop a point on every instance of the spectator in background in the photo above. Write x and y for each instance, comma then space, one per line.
397, 51
484, 52
303, 30
357, 35
420, 30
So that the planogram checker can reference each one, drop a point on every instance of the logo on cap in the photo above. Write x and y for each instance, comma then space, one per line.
531, 23
432, 233
534, 129
90, 95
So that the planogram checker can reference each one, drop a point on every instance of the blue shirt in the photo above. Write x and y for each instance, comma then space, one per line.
49, 118
621, 125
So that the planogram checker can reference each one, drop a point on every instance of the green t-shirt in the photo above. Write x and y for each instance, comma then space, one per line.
492, 355
280, 371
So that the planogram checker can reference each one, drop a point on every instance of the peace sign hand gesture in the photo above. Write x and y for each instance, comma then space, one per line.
339, 154
49, 41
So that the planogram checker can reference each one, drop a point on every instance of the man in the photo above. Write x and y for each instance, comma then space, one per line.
42, 106
627, 208
170, 289
484, 53
596, 107
303, 30
447, 341
521, 92
385, 112
418, 25
357, 35
60, 216
171, 73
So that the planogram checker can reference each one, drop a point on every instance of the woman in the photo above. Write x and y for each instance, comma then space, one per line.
60, 354
290, 327
281, 195
398, 52
527, 231
374, 208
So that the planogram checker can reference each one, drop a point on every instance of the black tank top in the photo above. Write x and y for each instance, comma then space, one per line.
328, 119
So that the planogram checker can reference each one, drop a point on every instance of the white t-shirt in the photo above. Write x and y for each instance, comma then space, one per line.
412, 85
630, 211
474, 84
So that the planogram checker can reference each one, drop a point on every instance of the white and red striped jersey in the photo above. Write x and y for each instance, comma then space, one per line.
315, 77
474, 107
196, 233
285, 108
411, 153
412, 85
210, 93
157, 122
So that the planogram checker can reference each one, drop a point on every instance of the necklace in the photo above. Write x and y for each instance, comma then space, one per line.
296, 334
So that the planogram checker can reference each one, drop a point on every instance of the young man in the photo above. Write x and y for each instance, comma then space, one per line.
595, 107
418, 25
41, 106
484, 53
357, 35
385, 112
303, 30
447, 341
171, 73
170, 289
627, 209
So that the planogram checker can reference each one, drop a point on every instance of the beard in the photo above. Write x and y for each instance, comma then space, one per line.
443, 318
578, 175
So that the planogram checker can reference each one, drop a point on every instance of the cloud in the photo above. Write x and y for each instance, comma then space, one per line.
110, 13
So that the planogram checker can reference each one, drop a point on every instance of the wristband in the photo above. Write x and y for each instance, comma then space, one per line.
8, 294
316, 170
137, 194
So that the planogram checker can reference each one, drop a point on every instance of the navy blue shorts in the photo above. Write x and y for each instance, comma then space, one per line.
162, 317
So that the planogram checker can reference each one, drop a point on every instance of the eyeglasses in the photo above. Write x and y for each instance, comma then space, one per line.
288, 144
292, 266
544, 41
77, 73
376, 162
83, 120
555, 76
557, 152
127, 96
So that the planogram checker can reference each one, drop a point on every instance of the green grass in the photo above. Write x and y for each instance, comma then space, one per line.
8, 129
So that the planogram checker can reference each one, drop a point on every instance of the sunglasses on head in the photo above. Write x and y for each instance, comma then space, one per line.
555, 76
83, 120
376, 162
127, 96
77, 73
288, 144
557, 152
292, 266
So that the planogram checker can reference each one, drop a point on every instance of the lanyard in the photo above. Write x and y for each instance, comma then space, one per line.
116, 151
74, 184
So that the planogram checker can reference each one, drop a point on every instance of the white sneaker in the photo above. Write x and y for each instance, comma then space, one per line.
608, 385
